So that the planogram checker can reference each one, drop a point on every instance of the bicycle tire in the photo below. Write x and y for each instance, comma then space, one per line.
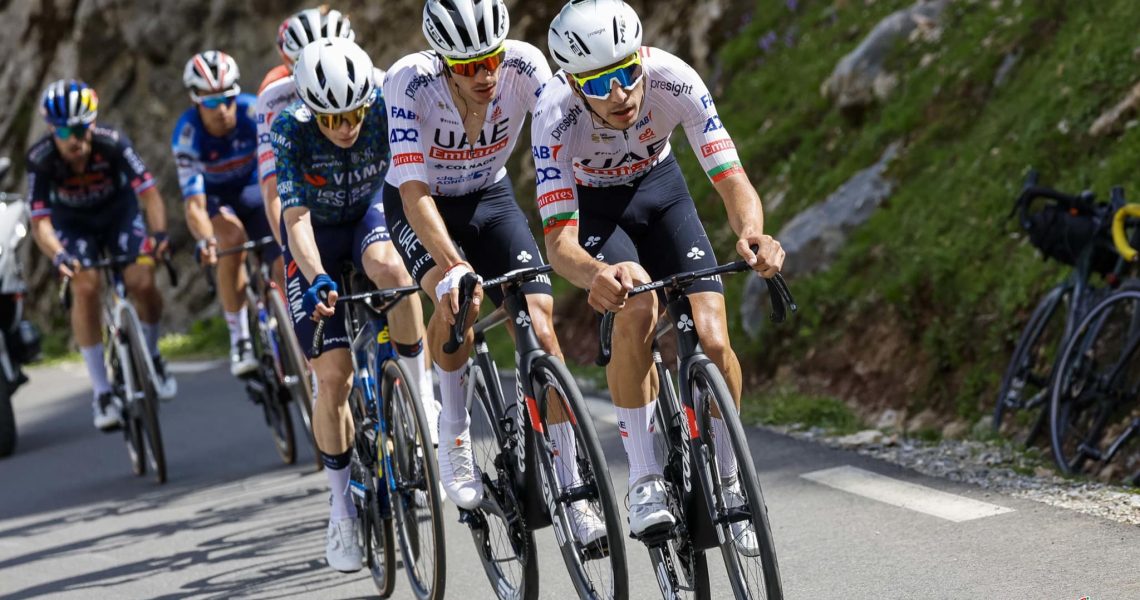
1084, 402
7, 421
681, 568
373, 508
766, 579
549, 373
417, 477
296, 368
498, 529
1030, 368
147, 409
132, 430
274, 395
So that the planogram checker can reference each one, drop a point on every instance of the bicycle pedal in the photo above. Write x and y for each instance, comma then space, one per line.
600, 548
655, 536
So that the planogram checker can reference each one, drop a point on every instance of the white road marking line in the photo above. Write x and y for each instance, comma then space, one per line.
193, 367
906, 495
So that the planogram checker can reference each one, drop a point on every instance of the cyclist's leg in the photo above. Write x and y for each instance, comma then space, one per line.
230, 274
86, 310
132, 240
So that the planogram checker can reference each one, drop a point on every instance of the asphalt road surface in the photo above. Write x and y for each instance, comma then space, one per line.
234, 522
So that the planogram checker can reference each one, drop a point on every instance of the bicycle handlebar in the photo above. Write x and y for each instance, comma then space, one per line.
112, 262
211, 278
386, 298
458, 330
1119, 239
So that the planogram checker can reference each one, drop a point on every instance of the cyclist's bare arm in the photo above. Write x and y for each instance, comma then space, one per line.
608, 284
302, 244
197, 219
155, 208
746, 217
44, 234
272, 205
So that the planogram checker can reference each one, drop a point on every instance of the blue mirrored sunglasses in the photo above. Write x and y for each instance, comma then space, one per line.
66, 131
212, 102
627, 75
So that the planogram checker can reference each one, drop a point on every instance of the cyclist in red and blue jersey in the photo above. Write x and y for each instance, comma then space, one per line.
85, 184
331, 149
617, 212
215, 146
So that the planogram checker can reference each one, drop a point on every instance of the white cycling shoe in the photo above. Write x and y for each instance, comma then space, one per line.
743, 534
106, 409
648, 509
167, 384
585, 524
342, 546
242, 360
461, 480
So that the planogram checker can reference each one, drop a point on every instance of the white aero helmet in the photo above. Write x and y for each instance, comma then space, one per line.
308, 26
211, 72
592, 34
465, 28
334, 75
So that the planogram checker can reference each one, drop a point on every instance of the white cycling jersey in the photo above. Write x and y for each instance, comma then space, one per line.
426, 131
568, 139
278, 91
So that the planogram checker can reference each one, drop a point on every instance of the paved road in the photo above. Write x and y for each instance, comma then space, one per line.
234, 522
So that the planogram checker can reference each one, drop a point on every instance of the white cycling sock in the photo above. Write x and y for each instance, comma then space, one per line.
238, 324
633, 423
565, 453
451, 394
342, 505
150, 333
96, 368
412, 359
725, 459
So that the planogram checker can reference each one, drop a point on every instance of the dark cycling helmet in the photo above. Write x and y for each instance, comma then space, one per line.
69, 102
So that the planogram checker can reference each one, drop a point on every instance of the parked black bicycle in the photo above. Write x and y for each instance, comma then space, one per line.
282, 378
707, 515
512, 448
1074, 231
129, 364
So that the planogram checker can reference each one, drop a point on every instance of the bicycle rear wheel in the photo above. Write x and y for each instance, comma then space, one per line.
370, 493
297, 379
502, 540
144, 407
273, 395
1094, 393
752, 572
597, 570
416, 501
1022, 402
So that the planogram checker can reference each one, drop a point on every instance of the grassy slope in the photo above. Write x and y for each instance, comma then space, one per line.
936, 260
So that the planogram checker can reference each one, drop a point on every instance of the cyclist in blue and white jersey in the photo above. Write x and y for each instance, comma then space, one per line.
215, 146
455, 115
332, 154
85, 184
617, 212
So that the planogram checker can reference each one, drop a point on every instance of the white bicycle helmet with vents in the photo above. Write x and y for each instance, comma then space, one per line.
334, 76
308, 26
593, 34
211, 72
461, 29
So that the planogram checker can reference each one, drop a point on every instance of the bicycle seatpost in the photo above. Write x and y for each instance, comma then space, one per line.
459, 329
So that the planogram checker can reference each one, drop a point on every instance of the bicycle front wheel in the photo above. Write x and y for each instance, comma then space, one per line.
1022, 402
741, 514
144, 407
1095, 390
416, 500
581, 489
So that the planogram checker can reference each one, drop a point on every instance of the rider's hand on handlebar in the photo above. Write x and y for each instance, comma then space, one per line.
610, 288
160, 244
767, 259
65, 263
311, 303
448, 287
206, 252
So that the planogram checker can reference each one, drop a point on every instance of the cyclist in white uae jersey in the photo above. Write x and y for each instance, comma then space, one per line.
627, 216
454, 117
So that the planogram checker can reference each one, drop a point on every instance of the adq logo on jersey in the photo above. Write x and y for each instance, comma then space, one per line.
548, 174
404, 135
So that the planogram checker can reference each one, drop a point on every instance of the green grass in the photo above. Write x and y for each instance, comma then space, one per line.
206, 338
938, 261
786, 406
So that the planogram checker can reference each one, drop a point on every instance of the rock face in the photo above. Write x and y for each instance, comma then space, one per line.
860, 79
133, 51
814, 237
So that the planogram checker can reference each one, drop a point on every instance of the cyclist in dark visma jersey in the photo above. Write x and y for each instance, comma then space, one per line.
214, 144
85, 184
332, 154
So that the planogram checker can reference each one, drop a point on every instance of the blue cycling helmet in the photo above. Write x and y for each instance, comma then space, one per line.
69, 102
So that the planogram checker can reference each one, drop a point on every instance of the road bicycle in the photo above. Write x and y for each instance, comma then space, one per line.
1023, 397
514, 453
282, 377
1094, 412
395, 479
129, 364
684, 438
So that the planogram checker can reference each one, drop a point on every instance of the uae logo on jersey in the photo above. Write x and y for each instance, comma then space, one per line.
497, 113
646, 135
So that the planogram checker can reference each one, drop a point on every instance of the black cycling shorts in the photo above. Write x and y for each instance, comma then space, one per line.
487, 226
116, 228
652, 221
